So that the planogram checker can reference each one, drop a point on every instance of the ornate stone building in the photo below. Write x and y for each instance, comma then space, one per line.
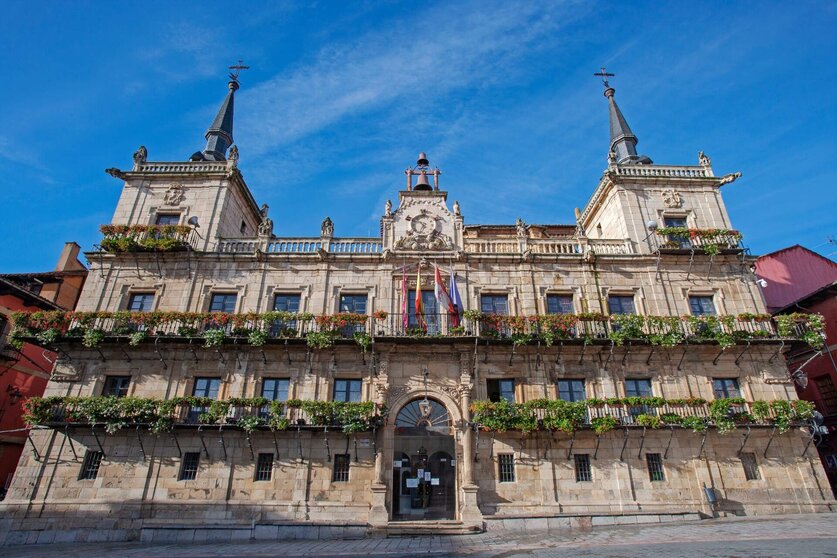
554, 381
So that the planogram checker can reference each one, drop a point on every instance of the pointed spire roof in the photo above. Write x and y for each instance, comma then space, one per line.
219, 136
622, 140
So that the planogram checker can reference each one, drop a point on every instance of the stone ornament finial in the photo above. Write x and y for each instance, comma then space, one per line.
140, 156
233, 155
521, 228
266, 225
388, 209
611, 158
327, 228
456, 210
703, 159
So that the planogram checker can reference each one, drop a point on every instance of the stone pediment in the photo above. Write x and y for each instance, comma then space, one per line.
423, 222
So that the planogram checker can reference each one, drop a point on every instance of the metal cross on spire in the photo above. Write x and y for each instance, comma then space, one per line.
236, 70
604, 75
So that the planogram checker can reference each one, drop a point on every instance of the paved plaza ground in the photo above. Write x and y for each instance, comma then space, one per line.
794, 536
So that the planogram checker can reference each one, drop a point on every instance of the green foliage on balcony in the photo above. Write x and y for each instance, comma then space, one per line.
144, 238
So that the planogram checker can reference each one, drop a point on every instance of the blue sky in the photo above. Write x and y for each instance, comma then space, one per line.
343, 95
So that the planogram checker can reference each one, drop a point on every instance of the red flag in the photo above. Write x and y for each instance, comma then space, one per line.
443, 297
404, 294
419, 307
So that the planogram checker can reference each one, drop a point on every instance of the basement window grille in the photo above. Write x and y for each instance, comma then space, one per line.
583, 473
506, 461
751, 468
341, 468
655, 466
264, 467
90, 467
189, 466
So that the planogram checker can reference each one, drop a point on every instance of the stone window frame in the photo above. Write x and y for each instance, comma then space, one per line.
304, 292
717, 294
183, 210
337, 291
543, 292
348, 376
509, 290
743, 384
637, 292
677, 213
157, 289
258, 383
222, 288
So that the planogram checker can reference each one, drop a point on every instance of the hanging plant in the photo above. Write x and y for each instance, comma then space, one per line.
47, 336
519, 339
321, 339
92, 338
257, 338
213, 337
363, 339
649, 421
603, 424
137, 337
626, 326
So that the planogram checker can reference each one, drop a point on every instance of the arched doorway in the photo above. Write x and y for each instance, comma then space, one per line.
424, 467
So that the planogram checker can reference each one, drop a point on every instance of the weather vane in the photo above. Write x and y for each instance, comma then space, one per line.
236, 70
604, 75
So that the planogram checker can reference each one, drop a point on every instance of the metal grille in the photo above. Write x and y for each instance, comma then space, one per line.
751, 468
582, 468
506, 467
264, 467
189, 466
655, 466
341, 468
90, 467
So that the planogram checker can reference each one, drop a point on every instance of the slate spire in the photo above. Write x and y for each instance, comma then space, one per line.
622, 139
219, 136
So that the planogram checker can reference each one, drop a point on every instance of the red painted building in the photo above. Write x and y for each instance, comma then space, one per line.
799, 280
25, 372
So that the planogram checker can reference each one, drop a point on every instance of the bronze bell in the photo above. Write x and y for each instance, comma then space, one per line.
422, 183
422, 160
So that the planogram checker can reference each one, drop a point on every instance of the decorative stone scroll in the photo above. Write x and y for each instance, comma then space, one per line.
174, 195
671, 198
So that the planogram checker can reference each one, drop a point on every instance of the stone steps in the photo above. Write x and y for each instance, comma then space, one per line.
419, 528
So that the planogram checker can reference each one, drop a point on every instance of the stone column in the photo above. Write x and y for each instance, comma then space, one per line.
378, 514
471, 514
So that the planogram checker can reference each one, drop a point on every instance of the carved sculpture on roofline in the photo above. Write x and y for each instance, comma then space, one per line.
266, 225
703, 159
140, 156
327, 228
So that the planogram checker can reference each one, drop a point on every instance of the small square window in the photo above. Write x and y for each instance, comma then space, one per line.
571, 390
500, 390
264, 467
356, 304
751, 468
506, 461
638, 387
559, 304
621, 304
340, 472
347, 390
494, 304
90, 466
724, 388
164, 219
116, 386
189, 465
702, 305
583, 473
655, 467
223, 302
141, 302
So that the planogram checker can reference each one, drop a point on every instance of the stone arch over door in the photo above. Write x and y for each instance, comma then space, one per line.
446, 400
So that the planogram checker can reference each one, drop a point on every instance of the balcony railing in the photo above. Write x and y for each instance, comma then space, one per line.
91, 328
711, 241
301, 246
147, 238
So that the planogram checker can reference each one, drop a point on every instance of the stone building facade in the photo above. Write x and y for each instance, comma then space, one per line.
426, 460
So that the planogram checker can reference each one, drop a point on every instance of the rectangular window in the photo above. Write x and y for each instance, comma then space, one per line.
167, 219
430, 307
275, 389
559, 304
621, 304
583, 473
223, 302
702, 305
347, 390
494, 304
116, 386
354, 303
204, 387
499, 390
506, 461
678, 241
264, 467
751, 468
286, 302
90, 466
638, 387
655, 466
141, 302
725, 387
189, 465
571, 390
341, 468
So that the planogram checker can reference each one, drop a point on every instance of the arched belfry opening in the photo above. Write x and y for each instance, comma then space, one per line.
424, 464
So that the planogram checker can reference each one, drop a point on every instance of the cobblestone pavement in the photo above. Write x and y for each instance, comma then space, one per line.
796, 536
